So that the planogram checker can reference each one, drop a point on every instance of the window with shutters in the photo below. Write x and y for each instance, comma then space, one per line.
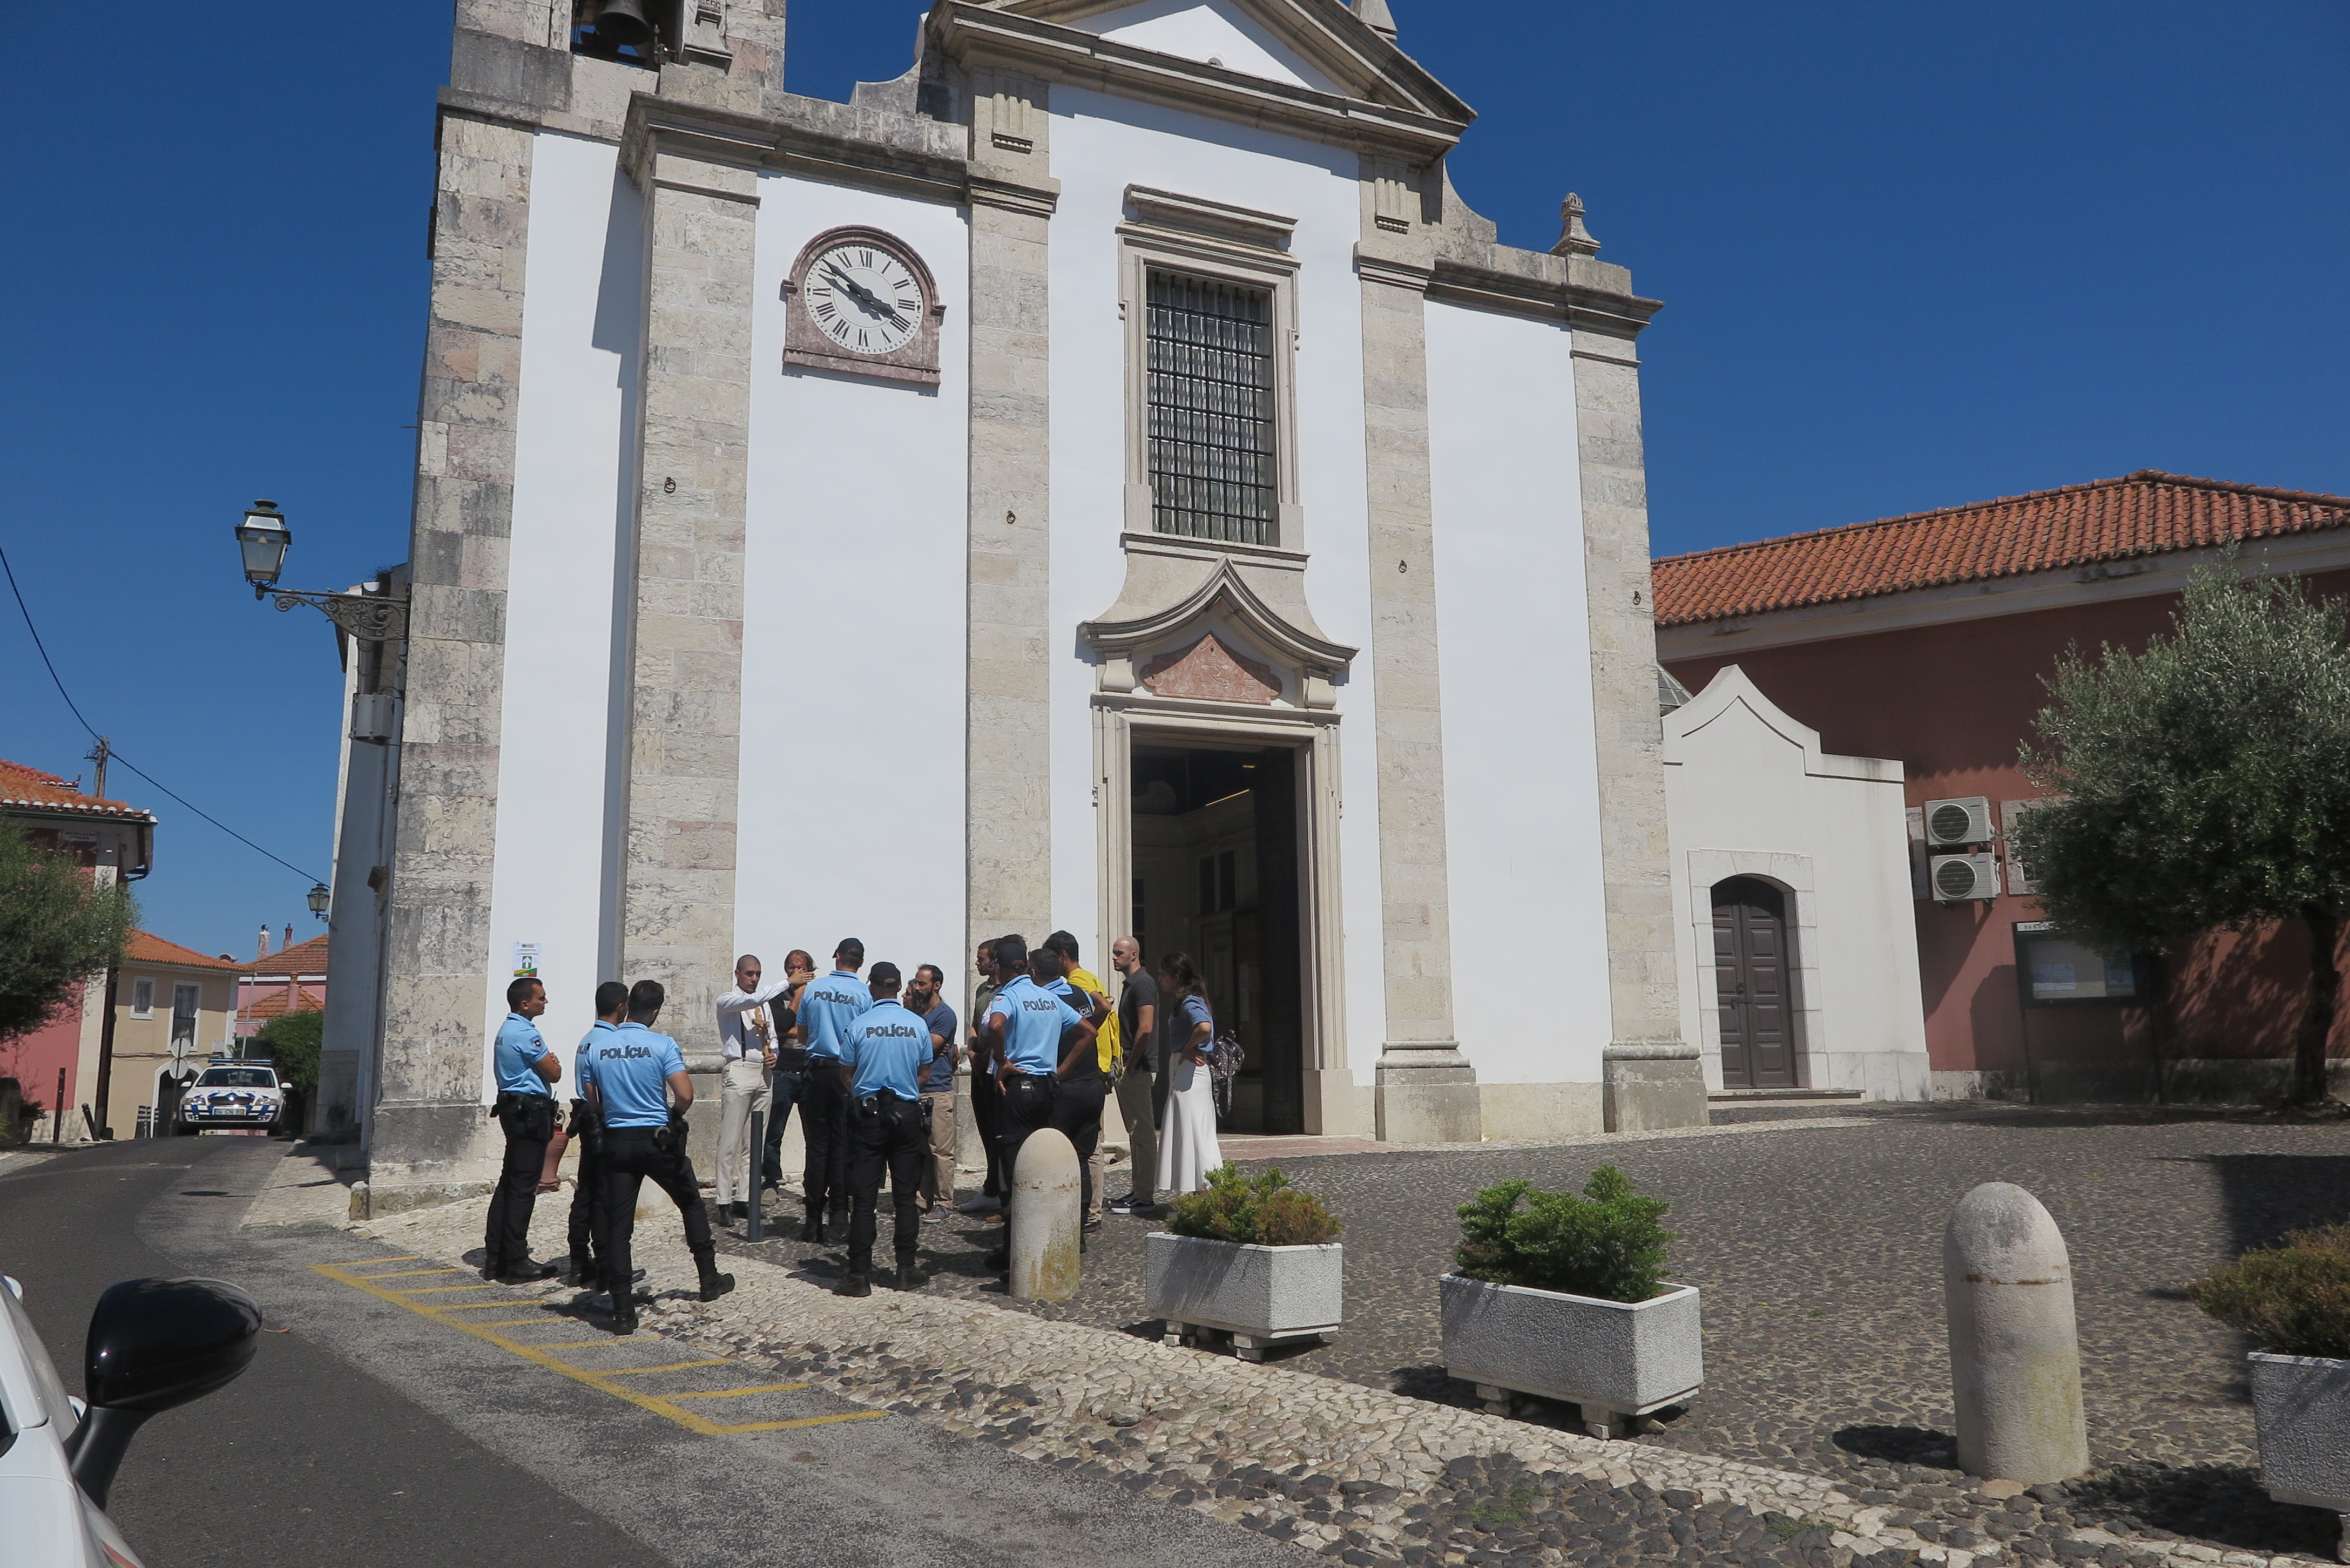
1214, 441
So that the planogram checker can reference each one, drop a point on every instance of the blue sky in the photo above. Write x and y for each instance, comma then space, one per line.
1912, 255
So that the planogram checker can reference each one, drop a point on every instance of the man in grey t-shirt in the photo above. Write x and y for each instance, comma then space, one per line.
1137, 1103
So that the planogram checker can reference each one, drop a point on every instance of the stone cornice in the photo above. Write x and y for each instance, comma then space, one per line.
669, 127
975, 36
1582, 307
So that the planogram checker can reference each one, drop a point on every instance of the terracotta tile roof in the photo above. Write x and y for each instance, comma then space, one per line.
280, 1003
2147, 514
302, 958
148, 948
24, 786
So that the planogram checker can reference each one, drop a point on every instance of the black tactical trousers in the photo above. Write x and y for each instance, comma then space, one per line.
1027, 1108
823, 1123
629, 1158
887, 1135
587, 1191
528, 1122
1077, 1111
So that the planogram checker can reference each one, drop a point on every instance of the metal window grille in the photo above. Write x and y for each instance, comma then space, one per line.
1211, 398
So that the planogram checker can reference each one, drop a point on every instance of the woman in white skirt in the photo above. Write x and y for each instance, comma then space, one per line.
1188, 1150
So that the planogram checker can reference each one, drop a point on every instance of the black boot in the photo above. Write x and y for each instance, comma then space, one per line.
714, 1283
858, 1281
840, 1219
812, 1229
624, 1312
910, 1273
585, 1274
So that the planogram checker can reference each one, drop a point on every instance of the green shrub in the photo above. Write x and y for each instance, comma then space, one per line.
1606, 1244
1260, 1211
2294, 1297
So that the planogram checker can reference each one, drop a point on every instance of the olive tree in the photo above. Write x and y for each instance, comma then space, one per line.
2204, 783
57, 926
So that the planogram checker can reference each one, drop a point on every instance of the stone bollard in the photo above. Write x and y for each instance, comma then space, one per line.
2015, 1353
1046, 1200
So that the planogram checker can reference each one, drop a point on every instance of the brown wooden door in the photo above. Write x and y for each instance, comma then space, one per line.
1751, 974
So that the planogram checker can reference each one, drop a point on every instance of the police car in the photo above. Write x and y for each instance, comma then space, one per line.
153, 1344
232, 1094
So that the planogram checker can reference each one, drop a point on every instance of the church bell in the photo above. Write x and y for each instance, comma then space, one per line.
622, 22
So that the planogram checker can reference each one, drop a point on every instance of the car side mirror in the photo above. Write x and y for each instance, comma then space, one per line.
155, 1344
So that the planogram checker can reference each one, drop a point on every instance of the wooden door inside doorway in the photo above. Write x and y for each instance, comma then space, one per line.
1752, 978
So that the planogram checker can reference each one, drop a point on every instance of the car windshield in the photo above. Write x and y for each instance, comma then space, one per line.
238, 1078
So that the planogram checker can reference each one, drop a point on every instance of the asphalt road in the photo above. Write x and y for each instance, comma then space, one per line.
370, 1434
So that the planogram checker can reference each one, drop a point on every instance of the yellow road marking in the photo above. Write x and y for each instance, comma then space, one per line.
409, 1274
602, 1381
528, 1323
576, 1344
742, 1393
673, 1367
449, 1289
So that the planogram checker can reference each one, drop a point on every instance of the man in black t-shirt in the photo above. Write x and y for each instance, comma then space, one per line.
1138, 1103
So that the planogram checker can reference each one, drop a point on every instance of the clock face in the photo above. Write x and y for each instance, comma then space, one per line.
864, 298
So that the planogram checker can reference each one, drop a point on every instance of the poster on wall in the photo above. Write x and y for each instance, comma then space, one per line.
526, 960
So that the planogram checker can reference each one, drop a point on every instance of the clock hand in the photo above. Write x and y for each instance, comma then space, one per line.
863, 296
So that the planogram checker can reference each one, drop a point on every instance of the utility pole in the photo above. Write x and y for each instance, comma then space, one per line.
99, 754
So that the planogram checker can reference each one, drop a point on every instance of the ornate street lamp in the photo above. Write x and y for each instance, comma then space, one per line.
263, 538
320, 898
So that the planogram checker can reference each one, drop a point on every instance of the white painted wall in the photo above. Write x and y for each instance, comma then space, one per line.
854, 609
582, 293
1750, 794
1100, 146
1207, 30
1521, 761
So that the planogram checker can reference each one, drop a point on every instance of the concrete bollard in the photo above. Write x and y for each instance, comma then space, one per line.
2015, 1352
1046, 1198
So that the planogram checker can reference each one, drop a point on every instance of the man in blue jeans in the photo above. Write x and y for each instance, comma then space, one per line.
788, 1084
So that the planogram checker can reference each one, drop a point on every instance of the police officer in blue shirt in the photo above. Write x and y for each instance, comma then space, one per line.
884, 1052
827, 1007
587, 1133
633, 1074
524, 1067
1026, 1029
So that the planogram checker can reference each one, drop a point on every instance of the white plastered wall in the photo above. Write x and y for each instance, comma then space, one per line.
1100, 146
1748, 793
1209, 30
1521, 764
855, 607
583, 300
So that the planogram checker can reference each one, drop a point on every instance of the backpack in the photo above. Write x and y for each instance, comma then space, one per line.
1226, 1057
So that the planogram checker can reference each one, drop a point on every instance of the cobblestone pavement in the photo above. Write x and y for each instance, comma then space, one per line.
1817, 1244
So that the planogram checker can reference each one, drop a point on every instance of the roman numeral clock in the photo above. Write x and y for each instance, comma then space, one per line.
862, 302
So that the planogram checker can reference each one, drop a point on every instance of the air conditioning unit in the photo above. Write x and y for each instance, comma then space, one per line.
1958, 878
373, 716
1951, 822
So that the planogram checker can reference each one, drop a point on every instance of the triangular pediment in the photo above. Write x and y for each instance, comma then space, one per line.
1320, 45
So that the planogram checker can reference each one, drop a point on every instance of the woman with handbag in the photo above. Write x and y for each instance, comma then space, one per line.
1188, 1150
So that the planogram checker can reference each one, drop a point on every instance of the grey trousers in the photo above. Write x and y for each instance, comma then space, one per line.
1136, 1106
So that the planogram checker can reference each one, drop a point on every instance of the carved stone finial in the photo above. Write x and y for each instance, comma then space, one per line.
1575, 240
1375, 14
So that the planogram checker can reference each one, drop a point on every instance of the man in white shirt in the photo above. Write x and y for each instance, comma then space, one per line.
747, 1035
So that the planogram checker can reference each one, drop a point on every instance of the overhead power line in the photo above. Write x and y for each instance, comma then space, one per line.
76, 709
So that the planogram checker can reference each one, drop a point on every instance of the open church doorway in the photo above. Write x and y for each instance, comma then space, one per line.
1219, 874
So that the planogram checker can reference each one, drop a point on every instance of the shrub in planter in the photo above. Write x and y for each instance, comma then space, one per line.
1255, 1212
2295, 1298
1606, 1244
1253, 1257
1566, 1297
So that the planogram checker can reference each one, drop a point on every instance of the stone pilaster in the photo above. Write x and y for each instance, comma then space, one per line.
1653, 1078
677, 907
427, 1122
1010, 885
1427, 1089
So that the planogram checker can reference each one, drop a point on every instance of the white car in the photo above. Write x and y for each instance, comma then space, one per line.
233, 1094
155, 1345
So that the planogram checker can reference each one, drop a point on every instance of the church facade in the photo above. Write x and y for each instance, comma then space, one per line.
1104, 479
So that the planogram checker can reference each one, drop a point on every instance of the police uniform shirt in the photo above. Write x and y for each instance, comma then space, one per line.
632, 1066
887, 1047
827, 1007
583, 1061
519, 1046
1035, 1021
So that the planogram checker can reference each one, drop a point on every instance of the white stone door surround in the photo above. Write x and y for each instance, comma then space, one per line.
1792, 875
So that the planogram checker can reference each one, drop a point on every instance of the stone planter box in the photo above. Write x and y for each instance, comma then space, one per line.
1617, 1360
2301, 1406
1261, 1296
